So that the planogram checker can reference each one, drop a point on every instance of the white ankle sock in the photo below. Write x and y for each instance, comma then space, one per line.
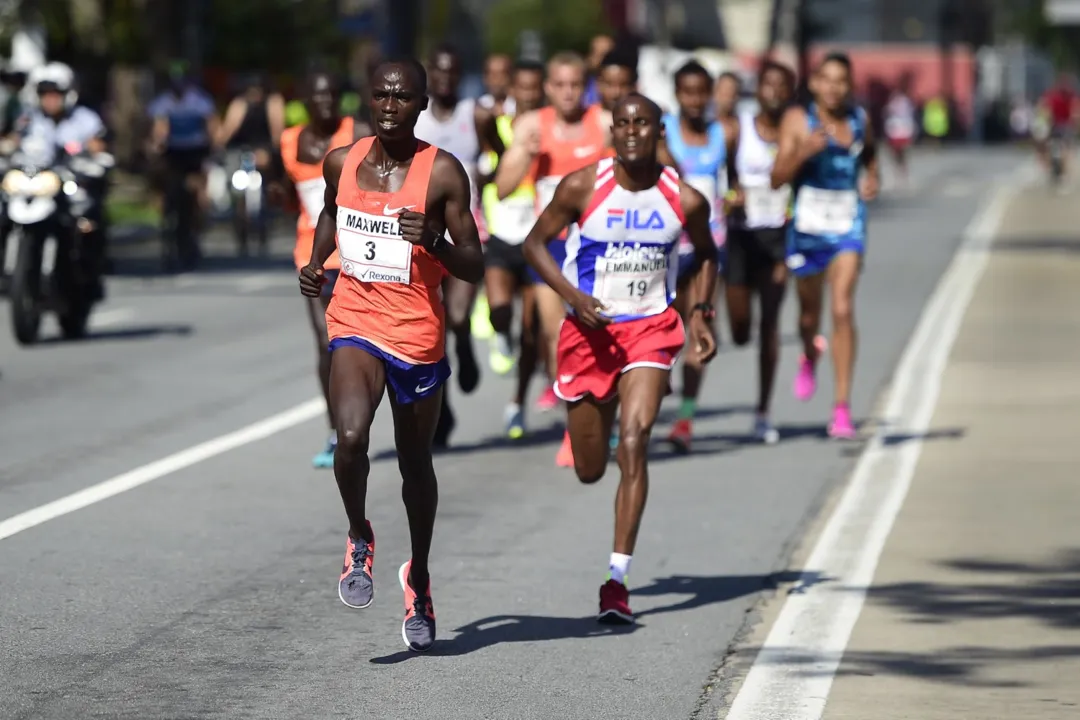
619, 566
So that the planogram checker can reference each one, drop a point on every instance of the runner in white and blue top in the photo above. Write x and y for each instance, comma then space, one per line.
698, 144
827, 153
622, 336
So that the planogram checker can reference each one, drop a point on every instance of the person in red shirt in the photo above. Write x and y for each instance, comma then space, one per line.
1061, 108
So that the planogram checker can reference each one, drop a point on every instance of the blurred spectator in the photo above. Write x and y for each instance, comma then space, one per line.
601, 45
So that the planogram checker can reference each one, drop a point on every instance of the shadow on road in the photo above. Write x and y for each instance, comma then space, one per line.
138, 332
501, 629
1047, 593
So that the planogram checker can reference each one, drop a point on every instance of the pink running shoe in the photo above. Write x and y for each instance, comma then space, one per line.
841, 426
805, 381
548, 401
565, 457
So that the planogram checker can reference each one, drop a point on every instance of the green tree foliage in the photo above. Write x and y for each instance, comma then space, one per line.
272, 35
563, 24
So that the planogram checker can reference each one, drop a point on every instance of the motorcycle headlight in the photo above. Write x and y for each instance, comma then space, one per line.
14, 181
240, 180
45, 184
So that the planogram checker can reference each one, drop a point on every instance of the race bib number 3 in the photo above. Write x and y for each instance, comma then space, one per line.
632, 281
312, 197
825, 212
372, 249
766, 207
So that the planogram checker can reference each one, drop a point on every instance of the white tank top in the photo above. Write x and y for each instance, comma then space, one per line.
620, 249
754, 158
456, 135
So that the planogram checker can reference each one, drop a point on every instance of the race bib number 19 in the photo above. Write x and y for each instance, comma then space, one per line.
632, 281
372, 249
825, 212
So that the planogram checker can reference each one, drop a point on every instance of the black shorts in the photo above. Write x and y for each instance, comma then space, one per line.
750, 253
511, 258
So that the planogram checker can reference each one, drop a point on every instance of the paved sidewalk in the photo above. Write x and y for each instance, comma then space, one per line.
975, 607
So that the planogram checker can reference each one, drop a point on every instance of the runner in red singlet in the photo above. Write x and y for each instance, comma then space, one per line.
303, 148
549, 144
390, 201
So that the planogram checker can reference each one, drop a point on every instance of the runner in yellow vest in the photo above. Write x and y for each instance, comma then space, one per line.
508, 222
936, 119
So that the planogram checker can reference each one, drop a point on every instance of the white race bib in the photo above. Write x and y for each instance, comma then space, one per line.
545, 192
632, 281
825, 212
513, 218
765, 207
707, 186
371, 247
312, 197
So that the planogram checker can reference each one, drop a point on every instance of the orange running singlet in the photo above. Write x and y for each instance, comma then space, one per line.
558, 157
388, 292
311, 187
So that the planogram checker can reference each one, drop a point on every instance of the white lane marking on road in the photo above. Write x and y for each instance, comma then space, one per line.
793, 672
254, 283
165, 466
110, 317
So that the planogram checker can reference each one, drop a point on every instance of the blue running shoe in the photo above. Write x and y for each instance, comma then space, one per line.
325, 459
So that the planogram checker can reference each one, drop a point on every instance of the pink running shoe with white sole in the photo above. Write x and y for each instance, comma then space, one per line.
806, 377
547, 401
841, 426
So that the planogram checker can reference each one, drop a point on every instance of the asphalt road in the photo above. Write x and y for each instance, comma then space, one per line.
210, 592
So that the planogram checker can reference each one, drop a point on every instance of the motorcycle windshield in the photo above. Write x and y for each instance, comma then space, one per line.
36, 152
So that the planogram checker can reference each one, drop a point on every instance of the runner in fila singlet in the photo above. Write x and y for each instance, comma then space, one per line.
548, 145
622, 337
757, 233
303, 148
509, 221
450, 123
699, 147
390, 201
827, 153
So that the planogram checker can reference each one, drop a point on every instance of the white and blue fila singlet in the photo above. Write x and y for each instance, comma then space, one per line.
622, 249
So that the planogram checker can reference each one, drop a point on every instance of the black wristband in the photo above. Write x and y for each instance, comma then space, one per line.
438, 243
706, 309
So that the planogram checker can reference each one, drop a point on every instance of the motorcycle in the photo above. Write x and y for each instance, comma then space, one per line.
50, 213
249, 201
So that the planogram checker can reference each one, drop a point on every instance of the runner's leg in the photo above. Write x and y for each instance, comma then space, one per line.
357, 381
772, 286
843, 277
458, 297
589, 426
640, 390
809, 290
500, 285
317, 316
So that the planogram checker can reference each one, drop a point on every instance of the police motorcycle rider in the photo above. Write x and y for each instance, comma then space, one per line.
60, 123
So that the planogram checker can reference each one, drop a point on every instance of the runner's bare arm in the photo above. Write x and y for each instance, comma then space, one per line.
490, 142
326, 226
464, 258
696, 209
870, 182
515, 162
789, 154
565, 207
734, 196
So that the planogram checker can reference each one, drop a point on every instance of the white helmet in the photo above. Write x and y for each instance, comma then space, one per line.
56, 77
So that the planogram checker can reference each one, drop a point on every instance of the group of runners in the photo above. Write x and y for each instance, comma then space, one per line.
611, 225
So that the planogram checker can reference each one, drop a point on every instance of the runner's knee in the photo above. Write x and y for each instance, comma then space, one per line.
589, 471
634, 436
843, 312
740, 332
501, 318
354, 435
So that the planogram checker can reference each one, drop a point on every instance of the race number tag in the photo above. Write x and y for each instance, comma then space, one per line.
545, 192
513, 219
632, 280
312, 197
709, 187
766, 207
825, 212
372, 249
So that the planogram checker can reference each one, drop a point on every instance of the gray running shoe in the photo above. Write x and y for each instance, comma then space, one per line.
418, 630
357, 587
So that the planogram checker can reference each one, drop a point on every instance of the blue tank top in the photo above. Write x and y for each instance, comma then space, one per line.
703, 167
828, 210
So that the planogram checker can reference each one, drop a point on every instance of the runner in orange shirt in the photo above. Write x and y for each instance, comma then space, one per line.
390, 202
303, 148
549, 144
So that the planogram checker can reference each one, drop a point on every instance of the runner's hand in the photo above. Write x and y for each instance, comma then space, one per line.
414, 229
702, 341
532, 142
735, 198
312, 279
869, 185
588, 311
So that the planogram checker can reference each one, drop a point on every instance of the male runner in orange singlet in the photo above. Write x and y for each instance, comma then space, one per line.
390, 201
303, 148
549, 144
